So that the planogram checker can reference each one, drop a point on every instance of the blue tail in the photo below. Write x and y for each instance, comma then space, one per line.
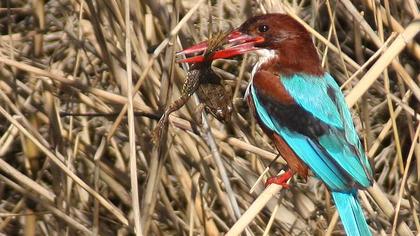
351, 213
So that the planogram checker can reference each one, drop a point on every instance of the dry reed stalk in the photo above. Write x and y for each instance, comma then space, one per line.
255, 208
47, 205
403, 182
131, 129
394, 49
58, 162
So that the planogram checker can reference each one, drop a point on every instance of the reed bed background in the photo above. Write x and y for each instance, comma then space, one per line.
76, 149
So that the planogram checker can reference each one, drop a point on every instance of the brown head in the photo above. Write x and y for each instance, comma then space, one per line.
289, 42
290, 45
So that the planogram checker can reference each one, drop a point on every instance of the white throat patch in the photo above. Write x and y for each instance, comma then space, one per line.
264, 55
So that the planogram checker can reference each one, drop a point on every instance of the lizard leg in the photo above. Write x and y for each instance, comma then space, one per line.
163, 122
197, 113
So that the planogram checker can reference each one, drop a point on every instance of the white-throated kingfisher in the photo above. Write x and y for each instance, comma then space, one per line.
301, 108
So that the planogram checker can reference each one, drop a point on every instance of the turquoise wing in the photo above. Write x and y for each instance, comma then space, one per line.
319, 128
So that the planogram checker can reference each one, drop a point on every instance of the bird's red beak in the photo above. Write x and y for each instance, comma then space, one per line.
237, 43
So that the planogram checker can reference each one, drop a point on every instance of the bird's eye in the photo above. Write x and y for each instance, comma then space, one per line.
263, 28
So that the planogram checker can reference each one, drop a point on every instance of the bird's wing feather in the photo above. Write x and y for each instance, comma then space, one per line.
318, 127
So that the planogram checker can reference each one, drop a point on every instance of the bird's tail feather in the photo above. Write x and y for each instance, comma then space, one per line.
351, 213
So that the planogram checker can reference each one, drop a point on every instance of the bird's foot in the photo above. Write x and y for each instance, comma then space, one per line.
280, 179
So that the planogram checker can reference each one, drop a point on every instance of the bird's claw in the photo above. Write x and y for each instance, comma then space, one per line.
280, 179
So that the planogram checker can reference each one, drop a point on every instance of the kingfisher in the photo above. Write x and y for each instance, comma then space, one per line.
301, 108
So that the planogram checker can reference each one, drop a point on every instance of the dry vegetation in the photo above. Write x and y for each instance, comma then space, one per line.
76, 151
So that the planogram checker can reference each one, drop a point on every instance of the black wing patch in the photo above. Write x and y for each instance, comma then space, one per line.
294, 117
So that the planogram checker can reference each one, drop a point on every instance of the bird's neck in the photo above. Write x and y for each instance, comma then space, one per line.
288, 59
